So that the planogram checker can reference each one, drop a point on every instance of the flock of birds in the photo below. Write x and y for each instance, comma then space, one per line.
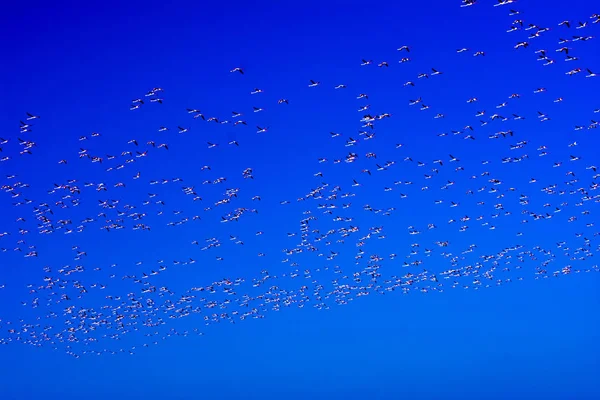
335, 255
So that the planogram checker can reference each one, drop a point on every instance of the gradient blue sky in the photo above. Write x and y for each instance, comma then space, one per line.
78, 65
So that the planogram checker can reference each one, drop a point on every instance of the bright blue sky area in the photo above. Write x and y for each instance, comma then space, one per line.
79, 65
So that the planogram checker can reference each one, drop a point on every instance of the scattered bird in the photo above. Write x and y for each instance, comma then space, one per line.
434, 211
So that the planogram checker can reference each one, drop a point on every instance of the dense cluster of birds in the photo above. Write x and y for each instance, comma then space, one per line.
335, 255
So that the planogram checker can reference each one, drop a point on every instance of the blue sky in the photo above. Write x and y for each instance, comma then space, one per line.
78, 66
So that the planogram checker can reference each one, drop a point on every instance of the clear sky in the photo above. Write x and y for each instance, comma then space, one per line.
79, 66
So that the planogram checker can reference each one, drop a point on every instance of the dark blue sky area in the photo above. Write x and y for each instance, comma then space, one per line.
79, 65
